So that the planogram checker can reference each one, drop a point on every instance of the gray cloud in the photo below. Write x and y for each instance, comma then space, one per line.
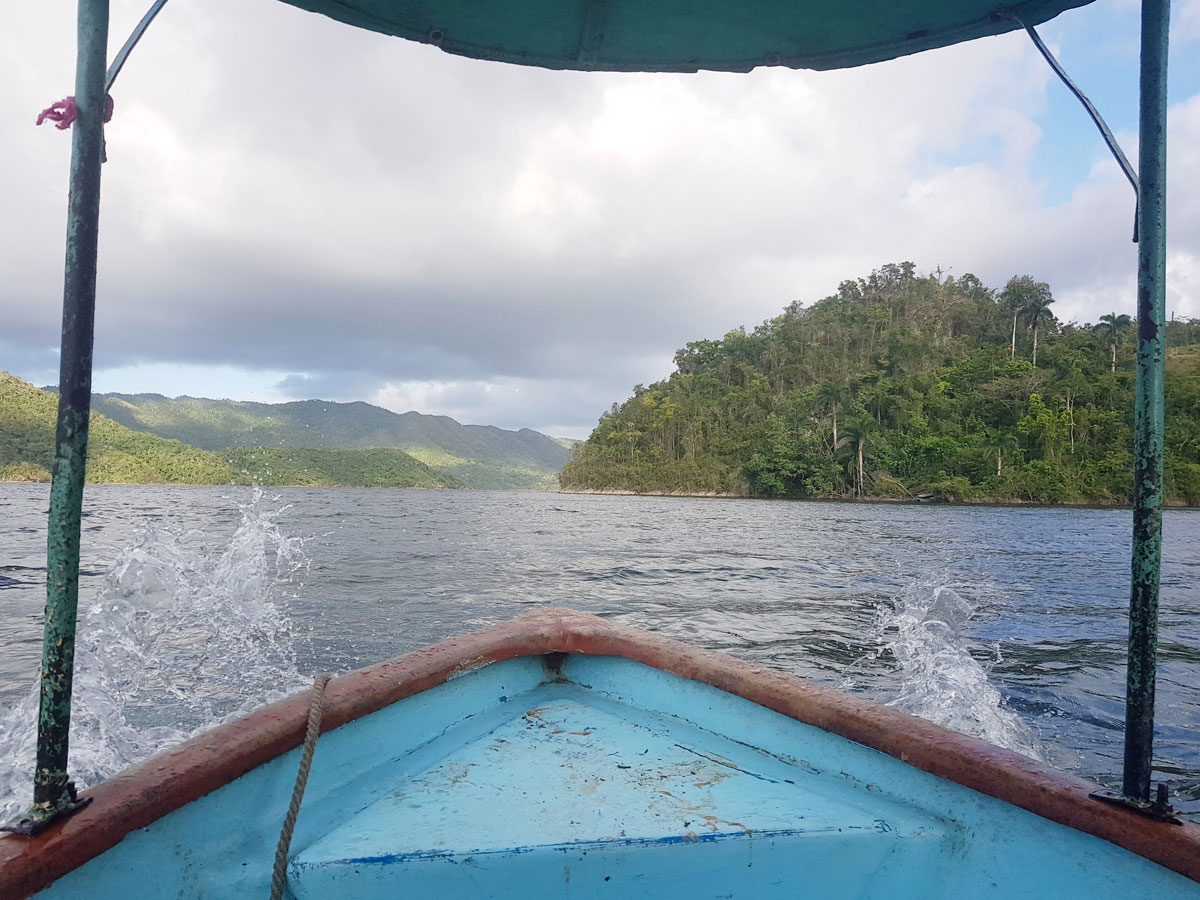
383, 221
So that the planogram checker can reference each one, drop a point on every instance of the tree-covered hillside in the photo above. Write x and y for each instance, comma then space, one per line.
331, 467
898, 385
118, 454
115, 454
477, 456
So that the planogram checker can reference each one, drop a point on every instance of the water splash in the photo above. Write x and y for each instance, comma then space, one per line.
183, 633
939, 679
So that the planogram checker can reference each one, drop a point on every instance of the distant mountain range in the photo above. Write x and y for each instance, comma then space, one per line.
478, 456
305, 442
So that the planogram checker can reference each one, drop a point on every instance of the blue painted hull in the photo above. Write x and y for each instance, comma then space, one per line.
602, 776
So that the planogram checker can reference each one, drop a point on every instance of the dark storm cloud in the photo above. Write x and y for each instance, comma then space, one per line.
505, 322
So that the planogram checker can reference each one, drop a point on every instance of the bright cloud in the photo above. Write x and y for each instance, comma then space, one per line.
520, 247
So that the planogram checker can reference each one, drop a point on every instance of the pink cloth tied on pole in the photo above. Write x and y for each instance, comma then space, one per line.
64, 112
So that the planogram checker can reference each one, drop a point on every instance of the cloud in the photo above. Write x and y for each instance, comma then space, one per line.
1185, 25
399, 224
508, 403
38, 365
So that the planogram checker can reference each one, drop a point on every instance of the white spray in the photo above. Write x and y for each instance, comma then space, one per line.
939, 679
183, 633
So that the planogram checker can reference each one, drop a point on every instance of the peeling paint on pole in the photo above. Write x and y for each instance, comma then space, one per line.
1148, 414
52, 792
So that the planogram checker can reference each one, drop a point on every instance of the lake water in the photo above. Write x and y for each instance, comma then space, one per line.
200, 602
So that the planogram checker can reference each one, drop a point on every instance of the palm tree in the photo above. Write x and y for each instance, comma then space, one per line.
832, 395
1018, 294
1037, 306
1114, 324
1014, 306
1002, 441
859, 432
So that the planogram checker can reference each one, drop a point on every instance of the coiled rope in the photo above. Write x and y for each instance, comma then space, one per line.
316, 707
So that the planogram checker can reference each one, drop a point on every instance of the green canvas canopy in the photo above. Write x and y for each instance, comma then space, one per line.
687, 35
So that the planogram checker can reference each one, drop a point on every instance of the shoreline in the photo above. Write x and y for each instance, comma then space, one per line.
682, 495
624, 492
890, 500
227, 484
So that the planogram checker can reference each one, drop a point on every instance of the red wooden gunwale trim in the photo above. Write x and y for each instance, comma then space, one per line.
137, 797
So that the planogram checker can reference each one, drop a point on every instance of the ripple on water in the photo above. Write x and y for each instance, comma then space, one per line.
852, 595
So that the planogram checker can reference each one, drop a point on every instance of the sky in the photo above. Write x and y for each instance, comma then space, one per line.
296, 209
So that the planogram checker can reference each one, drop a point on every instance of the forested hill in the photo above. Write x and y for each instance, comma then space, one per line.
903, 385
475, 455
118, 454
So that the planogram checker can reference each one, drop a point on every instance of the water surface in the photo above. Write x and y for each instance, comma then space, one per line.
1006, 622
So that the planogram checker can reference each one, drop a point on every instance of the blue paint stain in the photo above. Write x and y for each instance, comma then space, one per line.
581, 847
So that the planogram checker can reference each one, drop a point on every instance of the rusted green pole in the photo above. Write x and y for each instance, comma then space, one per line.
1148, 417
52, 791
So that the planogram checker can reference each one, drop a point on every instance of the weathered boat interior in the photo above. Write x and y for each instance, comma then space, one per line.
561, 755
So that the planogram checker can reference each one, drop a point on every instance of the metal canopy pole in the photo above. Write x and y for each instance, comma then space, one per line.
1148, 417
123, 54
53, 793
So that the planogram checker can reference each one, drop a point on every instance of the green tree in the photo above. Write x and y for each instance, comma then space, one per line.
1044, 426
858, 433
1002, 441
1025, 298
831, 396
1114, 324
1036, 309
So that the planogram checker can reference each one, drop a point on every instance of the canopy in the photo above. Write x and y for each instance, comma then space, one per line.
687, 35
